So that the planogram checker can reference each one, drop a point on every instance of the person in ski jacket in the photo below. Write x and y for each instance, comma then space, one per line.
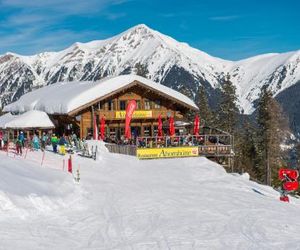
36, 142
54, 142
62, 144
21, 138
18, 147
5, 141
44, 141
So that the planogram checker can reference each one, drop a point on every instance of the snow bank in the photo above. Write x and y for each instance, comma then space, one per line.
26, 191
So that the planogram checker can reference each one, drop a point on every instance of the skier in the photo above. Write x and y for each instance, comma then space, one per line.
62, 144
5, 141
54, 141
44, 141
35, 142
21, 138
74, 139
19, 147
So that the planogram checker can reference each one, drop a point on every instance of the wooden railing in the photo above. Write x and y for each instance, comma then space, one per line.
121, 149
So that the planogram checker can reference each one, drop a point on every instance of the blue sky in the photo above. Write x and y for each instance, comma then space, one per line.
230, 29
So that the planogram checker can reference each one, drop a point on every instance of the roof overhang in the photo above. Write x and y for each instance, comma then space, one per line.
128, 86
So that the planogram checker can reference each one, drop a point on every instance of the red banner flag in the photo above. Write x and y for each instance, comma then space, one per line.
129, 112
102, 128
95, 129
70, 168
160, 125
171, 126
196, 125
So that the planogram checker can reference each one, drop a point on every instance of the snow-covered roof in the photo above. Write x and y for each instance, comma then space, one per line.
30, 119
65, 97
5, 119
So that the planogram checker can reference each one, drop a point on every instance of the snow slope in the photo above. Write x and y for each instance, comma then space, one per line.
124, 203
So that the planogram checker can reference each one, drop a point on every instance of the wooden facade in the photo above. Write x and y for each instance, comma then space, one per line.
150, 104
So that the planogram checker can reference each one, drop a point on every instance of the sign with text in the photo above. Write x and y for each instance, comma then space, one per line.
136, 114
155, 153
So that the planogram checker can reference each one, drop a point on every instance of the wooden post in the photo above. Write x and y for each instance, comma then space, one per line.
92, 120
81, 127
152, 130
28, 135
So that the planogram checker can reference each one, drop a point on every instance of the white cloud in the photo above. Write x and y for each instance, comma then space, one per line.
224, 18
37, 25
67, 7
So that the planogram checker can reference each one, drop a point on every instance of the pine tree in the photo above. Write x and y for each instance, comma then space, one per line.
228, 109
204, 109
272, 131
187, 92
141, 70
246, 150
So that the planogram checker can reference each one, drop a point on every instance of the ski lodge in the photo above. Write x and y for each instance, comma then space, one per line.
73, 107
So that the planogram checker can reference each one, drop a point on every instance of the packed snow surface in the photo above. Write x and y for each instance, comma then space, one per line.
123, 203
62, 98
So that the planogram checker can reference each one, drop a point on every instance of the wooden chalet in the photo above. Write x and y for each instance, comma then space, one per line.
74, 110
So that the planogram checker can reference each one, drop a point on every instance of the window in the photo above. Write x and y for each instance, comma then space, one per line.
147, 131
112, 133
122, 105
98, 106
147, 104
110, 105
157, 104
138, 104
155, 130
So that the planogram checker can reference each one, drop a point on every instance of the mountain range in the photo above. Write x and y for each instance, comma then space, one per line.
167, 61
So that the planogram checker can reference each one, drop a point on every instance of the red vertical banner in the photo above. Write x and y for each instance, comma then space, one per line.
171, 126
95, 128
196, 125
160, 125
70, 167
129, 112
102, 128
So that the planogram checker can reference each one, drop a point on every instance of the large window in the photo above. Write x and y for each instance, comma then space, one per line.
122, 105
111, 105
147, 104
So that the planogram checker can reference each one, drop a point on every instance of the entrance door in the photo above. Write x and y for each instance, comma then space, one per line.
135, 131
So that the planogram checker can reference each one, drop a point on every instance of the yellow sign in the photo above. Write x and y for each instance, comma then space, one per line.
136, 114
154, 153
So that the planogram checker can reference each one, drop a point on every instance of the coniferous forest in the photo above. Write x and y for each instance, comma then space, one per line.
263, 141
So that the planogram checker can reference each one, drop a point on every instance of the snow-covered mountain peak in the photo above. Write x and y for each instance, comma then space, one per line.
168, 61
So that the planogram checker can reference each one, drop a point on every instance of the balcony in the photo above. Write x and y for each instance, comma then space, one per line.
138, 114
